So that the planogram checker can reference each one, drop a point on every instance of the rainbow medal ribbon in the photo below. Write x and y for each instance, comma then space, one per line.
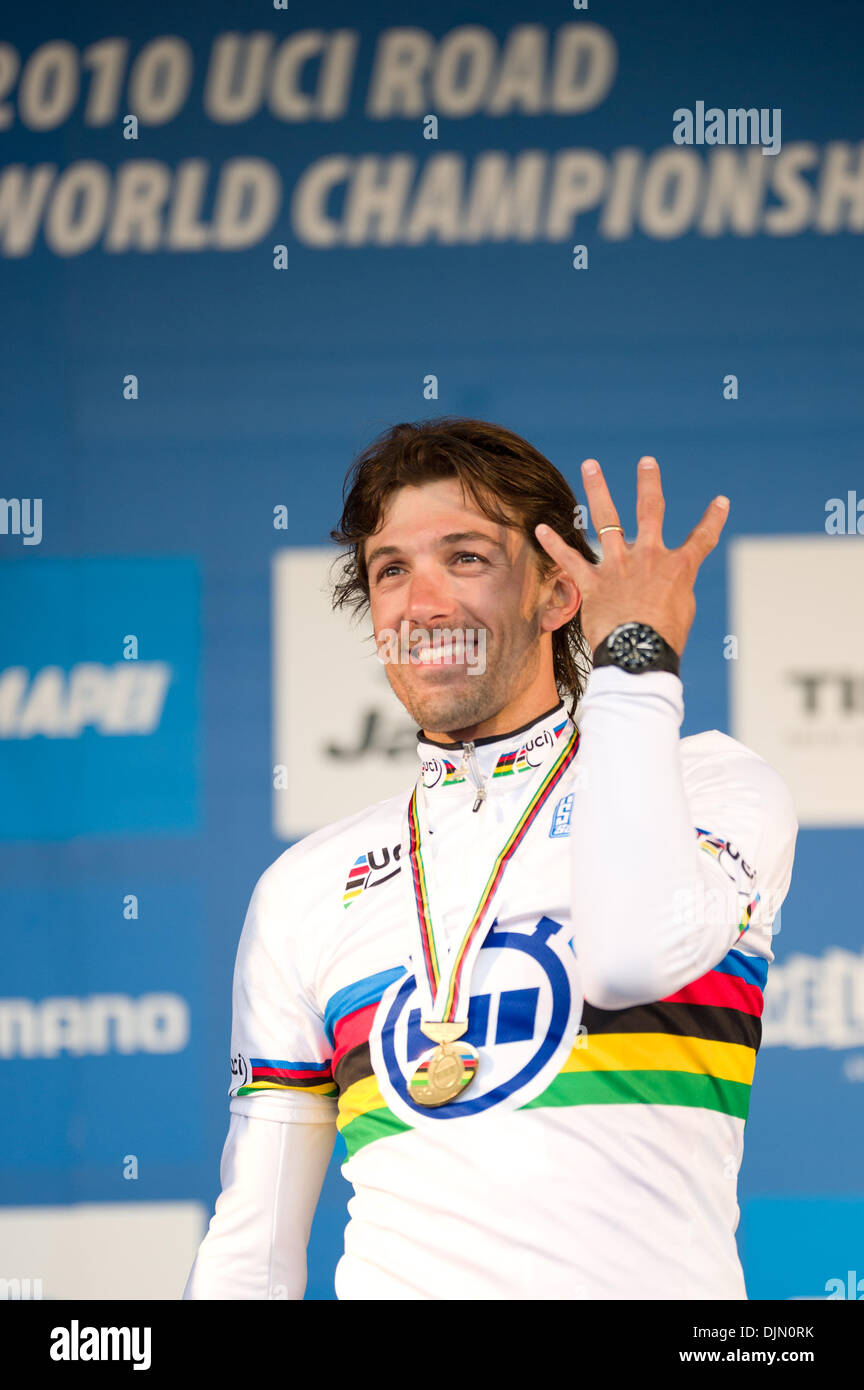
444, 978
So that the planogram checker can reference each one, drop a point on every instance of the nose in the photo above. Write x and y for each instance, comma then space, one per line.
428, 598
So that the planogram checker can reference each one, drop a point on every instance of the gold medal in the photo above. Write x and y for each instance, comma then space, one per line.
443, 1072
443, 975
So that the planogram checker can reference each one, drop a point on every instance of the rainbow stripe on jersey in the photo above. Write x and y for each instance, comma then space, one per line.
271, 1074
517, 759
695, 1048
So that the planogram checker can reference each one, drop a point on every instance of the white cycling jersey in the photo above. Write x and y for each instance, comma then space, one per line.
615, 1005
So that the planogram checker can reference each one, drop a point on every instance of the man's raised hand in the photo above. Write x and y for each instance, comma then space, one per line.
638, 580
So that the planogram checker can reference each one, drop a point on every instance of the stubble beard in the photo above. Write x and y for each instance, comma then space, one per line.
476, 698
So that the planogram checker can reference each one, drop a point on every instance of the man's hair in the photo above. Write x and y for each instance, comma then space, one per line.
497, 469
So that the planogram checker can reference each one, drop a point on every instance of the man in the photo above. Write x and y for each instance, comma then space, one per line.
536, 1030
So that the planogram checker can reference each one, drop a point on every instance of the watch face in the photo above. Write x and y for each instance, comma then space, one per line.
636, 646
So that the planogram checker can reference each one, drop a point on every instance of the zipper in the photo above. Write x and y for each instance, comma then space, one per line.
470, 765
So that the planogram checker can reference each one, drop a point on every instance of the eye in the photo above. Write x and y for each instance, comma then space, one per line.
462, 555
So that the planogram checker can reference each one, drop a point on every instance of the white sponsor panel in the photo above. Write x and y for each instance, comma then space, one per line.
99, 1250
797, 681
341, 739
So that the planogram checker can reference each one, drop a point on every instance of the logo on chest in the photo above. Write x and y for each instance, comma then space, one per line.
370, 868
523, 1016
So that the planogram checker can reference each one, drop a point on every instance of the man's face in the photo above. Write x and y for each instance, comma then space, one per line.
432, 577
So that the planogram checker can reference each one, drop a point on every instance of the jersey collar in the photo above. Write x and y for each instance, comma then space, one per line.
504, 761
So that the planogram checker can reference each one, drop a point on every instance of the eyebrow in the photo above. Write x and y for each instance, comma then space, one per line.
453, 538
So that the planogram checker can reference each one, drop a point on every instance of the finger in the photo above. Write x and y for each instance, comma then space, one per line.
650, 503
705, 535
570, 560
601, 506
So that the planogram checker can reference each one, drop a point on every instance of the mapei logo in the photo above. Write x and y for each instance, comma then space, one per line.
127, 697
368, 871
441, 770
523, 1017
119, 687
528, 755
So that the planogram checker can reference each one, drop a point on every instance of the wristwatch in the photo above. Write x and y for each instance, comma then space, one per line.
636, 647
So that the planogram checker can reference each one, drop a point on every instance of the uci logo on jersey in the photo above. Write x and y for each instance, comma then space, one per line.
441, 770
523, 1016
370, 862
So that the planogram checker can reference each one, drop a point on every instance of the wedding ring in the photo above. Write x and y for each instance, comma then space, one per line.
610, 528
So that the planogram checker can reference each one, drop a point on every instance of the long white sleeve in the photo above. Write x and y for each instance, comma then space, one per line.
272, 1171
652, 912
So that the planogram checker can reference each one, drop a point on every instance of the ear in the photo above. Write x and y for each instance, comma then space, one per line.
563, 599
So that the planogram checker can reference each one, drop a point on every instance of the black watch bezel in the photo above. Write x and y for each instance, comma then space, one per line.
619, 649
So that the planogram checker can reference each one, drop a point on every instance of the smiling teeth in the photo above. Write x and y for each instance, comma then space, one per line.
439, 653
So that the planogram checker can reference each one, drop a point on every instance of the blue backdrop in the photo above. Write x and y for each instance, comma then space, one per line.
164, 388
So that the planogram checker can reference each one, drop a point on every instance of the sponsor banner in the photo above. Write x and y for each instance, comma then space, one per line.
796, 667
100, 1080
817, 1001
341, 739
99, 697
